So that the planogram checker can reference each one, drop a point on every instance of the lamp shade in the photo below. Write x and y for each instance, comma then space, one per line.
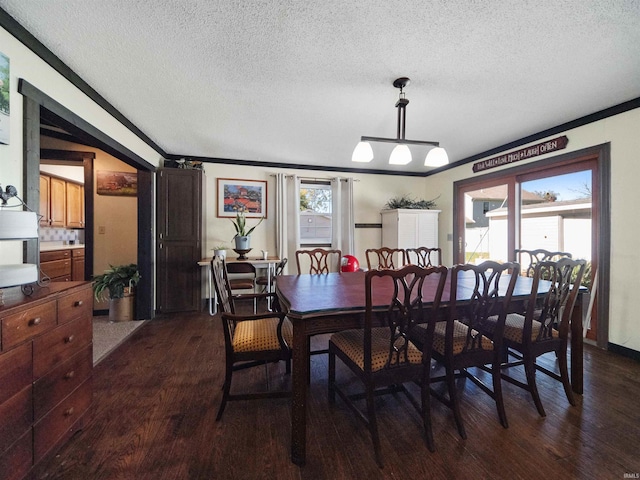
362, 153
437, 157
401, 155
16, 225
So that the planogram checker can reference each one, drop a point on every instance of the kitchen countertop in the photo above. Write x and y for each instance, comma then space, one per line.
50, 246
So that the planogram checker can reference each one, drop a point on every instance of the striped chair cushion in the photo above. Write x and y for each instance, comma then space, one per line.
459, 337
513, 327
351, 342
261, 335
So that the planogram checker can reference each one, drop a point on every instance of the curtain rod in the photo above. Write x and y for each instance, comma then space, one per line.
325, 179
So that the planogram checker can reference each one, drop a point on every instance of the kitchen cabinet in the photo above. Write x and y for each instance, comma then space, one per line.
74, 205
409, 228
77, 264
46, 367
61, 202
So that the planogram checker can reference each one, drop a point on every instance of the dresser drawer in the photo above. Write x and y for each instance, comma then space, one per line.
55, 255
15, 371
17, 461
62, 422
22, 326
49, 390
75, 305
56, 268
16, 417
77, 252
60, 344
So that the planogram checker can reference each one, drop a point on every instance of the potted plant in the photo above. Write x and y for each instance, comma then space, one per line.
407, 201
220, 251
242, 236
119, 282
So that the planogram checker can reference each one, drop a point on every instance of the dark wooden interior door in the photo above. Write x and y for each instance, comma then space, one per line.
179, 239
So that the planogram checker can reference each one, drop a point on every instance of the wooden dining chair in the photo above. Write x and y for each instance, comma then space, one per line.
250, 340
382, 357
318, 260
424, 256
263, 281
544, 327
244, 278
532, 257
385, 258
460, 343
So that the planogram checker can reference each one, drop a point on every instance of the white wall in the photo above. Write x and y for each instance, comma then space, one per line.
622, 133
371, 192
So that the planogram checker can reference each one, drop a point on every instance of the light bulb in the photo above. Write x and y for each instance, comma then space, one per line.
362, 153
401, 155
437, 157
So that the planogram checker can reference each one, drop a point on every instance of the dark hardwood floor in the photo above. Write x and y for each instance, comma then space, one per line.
157, 395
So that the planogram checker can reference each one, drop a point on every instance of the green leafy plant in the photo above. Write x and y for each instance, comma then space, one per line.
240, 224
115, 280
406, 201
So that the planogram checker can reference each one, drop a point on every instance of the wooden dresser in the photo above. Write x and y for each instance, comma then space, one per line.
46, 361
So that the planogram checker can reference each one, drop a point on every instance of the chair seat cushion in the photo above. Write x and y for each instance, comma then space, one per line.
514, 326
459, 337
351, 343
261, 335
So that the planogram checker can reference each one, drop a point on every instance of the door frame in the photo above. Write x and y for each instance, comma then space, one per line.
38, 105
601, 207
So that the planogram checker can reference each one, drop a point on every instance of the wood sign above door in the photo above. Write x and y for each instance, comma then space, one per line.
522, 154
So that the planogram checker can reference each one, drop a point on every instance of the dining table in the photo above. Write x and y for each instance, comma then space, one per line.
327, 303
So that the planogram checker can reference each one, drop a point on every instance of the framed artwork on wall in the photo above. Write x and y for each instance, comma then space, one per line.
237, 195
4, 99
122, 184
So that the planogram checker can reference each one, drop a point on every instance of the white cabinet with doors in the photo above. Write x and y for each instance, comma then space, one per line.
409, 228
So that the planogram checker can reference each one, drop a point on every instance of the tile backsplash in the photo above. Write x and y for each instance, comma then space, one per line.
48, 234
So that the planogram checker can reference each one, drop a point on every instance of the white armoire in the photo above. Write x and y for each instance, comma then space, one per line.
409, 228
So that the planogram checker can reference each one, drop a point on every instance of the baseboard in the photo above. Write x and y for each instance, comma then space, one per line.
624, 351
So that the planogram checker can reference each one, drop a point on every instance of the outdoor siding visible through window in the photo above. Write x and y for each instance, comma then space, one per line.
315, 214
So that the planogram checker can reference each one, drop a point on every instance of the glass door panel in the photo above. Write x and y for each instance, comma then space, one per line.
486, 224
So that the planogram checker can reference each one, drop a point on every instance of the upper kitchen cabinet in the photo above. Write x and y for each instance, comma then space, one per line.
53, 201
75, 205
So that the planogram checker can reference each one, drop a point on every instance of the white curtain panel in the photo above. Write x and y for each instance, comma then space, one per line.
287, 215
342, 216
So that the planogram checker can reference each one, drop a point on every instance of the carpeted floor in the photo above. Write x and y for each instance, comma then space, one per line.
107, 336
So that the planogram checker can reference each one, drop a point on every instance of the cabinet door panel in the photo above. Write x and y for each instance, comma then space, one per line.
45, 194
74, 206
58, 202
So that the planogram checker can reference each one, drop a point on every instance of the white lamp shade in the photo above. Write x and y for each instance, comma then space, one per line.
362, 153
16, 225
437, 157
401, 155
21, 274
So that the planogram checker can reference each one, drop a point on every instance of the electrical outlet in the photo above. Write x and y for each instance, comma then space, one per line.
102, 229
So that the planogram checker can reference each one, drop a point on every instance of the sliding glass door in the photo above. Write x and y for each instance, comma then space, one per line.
551, 205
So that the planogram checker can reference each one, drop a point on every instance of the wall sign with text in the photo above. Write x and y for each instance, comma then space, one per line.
522, 154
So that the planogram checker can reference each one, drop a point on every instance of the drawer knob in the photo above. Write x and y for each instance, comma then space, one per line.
78, 303
69, 375
68, 412
68, 339
35, 321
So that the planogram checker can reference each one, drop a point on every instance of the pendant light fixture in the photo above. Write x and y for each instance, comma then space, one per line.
401, 155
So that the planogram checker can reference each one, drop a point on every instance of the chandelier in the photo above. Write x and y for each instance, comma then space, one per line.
401, 155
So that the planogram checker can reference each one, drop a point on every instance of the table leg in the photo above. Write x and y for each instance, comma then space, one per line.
577, 347
300, 372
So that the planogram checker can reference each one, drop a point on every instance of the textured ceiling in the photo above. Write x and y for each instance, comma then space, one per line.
300, 81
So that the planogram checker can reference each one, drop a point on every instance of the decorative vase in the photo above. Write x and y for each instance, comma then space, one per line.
220, 253
243, 242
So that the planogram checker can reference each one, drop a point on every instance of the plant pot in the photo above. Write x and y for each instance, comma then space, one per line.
243, 243
220, 253
122, 309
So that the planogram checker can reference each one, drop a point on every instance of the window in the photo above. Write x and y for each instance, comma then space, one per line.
315, 213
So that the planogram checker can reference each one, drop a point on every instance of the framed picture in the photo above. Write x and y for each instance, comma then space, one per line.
123, 184
4, 99
236, 195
